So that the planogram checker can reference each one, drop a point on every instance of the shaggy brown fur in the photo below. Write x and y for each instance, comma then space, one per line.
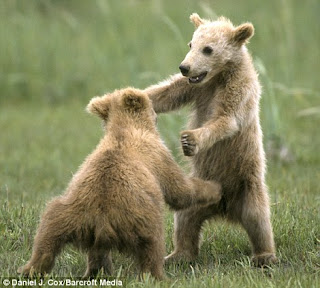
116, 198
225, 138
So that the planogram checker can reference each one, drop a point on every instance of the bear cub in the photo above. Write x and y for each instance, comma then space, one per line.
224, 137
116, 199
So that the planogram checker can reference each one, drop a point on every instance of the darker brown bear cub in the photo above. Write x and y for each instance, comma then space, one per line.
116, 199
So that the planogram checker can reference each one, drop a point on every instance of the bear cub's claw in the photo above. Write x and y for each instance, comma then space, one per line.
179, 257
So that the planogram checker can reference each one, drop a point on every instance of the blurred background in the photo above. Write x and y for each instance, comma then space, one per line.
57, 54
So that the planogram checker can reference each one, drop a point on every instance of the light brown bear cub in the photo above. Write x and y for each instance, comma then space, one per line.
115, 200
225, 138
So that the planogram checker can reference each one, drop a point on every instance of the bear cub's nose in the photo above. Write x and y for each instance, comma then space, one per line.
184, 69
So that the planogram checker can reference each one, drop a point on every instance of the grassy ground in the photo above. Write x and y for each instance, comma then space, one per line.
56, 55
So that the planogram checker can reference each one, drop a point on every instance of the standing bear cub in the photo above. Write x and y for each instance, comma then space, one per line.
224, 137
116, 199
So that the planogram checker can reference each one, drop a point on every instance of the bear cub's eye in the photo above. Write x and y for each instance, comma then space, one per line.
189, 44
207, 50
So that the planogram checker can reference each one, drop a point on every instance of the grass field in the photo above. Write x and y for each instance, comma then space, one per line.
56, 55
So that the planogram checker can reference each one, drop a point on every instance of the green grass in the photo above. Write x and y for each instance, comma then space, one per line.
56, 55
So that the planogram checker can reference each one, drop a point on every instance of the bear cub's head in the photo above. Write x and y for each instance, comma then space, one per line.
214, 45
124, 107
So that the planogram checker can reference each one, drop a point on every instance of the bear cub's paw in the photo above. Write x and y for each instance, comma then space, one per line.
215, 192
179, 257
28, 271
23, 270
189, 143
265, 259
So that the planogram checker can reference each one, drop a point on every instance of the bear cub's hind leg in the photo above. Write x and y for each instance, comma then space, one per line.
98, 259
51, 236
187, 232
256, 221
150, 257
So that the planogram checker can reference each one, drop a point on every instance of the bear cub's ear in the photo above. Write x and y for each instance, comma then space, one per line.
196, 20
99, 106
243, 33
134, 100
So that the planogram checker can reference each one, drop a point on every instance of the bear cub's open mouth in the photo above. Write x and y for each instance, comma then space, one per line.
197, 79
